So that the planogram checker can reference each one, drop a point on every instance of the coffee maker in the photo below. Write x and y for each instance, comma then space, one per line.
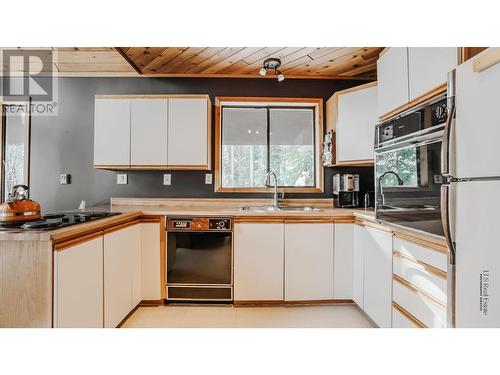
345, 190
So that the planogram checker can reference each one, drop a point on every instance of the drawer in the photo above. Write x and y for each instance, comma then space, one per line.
426, 278
429, 256
401, 319
428, 311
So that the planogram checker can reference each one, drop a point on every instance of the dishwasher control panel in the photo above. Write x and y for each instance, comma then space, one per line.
199, 224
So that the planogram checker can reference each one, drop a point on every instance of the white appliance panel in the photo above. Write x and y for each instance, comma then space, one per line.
477, 236
476, 133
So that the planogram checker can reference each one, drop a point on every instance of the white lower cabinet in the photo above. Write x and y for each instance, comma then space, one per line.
78, 285
151, 261
258, 261
343, 261
373, 285
358, 264
309, 261
122, 273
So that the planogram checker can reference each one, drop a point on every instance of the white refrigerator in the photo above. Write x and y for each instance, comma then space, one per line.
471, 198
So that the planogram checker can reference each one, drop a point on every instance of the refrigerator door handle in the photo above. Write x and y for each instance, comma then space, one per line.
451, 285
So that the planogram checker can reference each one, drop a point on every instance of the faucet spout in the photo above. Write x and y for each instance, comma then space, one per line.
267, 183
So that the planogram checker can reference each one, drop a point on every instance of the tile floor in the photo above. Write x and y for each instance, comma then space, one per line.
175, 316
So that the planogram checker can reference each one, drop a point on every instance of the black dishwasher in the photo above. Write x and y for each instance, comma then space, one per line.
199, 260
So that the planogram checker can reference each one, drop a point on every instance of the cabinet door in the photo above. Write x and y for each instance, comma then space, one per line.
343, 261
392, 79
121, 278
358, 264
309, 261
136, 265
357, 116
377, 300
188, 133
428, 68
150, 261
78, 285
148, 132
112, 132
258, 261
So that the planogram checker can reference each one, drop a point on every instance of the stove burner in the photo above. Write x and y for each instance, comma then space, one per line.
56, 219
41, 224
53, 216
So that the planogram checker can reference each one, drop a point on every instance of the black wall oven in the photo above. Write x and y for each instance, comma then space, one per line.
408, 168
199, 260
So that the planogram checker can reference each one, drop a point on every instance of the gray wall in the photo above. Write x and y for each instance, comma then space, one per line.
64, 143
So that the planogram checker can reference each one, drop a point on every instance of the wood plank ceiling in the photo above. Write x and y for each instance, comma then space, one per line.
297, 62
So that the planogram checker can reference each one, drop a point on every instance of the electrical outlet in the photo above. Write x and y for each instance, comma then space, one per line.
65, 179
167, 179
121, 179
208, 179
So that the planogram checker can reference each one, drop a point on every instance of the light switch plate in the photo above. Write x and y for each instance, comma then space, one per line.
65, 179
121, 179
167, 179
208, 179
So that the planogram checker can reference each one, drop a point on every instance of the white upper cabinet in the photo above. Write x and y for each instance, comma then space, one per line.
152, 132
112, 132
188, 133
392, 79
148, 129
309, 261
258, 261
355, 127
428, 68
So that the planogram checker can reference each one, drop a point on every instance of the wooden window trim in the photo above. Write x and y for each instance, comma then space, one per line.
316, 103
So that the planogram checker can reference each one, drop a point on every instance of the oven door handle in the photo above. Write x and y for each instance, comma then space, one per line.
445, 150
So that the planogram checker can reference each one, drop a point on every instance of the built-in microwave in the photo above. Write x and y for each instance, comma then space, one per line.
408, 168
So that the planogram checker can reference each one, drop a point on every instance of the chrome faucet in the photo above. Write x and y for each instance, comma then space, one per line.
267, 183
400, 183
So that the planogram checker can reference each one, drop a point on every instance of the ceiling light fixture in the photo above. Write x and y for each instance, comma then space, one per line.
273, 64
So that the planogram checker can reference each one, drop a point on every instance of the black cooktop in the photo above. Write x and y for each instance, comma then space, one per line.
59, 219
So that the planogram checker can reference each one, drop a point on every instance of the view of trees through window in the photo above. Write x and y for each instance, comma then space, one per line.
255, 140
403, 162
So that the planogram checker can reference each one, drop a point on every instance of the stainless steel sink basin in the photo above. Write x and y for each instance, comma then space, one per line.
279, 209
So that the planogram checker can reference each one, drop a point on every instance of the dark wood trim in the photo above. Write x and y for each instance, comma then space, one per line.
128, 60
152, 302
257, 303
128, 315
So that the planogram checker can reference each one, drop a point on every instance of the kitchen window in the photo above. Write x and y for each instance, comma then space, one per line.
256, 135
14, 146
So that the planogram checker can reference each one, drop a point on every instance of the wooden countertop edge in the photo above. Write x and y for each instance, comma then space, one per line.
358, 217
70, 233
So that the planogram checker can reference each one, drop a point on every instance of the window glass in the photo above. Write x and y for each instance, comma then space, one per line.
15, 135
256, 140
244, 147
291, 135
